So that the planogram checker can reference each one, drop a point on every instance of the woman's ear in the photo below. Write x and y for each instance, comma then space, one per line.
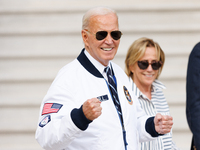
132, 68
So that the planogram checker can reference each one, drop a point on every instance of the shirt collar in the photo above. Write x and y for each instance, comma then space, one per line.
156, 85
96, 63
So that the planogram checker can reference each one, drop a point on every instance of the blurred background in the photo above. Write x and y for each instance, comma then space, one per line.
38, 37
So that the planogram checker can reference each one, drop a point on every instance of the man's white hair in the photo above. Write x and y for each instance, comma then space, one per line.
95, 12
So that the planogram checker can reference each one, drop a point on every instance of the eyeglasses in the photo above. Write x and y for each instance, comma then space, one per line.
154, 64
100, 35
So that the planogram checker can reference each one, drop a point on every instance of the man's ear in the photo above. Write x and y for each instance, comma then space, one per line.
84, 37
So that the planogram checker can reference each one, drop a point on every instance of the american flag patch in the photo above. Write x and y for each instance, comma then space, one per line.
51, 108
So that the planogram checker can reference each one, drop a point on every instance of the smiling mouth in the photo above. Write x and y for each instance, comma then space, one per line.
106, 49
149, 75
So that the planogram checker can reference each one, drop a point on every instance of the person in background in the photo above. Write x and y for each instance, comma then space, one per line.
193, 96
143, 65
89, 105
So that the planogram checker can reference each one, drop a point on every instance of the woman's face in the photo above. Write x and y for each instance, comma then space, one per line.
144, 78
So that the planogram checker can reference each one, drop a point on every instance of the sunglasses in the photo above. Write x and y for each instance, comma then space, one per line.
145, 64
100, 35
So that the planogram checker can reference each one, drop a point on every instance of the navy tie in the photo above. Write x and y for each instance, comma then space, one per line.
113, 89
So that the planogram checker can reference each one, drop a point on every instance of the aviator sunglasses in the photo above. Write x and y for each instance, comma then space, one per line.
100, 35
154, 64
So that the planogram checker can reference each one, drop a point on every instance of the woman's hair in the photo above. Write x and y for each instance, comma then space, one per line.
137, 50
95, 12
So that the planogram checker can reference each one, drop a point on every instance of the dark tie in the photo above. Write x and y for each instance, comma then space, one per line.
113, 89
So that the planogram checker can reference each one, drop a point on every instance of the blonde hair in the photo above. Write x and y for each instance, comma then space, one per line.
137, 50
95, 12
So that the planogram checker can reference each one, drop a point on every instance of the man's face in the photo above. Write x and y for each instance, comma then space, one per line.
101, 50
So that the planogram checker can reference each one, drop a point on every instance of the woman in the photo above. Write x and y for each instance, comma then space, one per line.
144, 62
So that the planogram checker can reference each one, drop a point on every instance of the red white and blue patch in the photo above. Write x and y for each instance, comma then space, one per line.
44, 121
128, 96
51, 108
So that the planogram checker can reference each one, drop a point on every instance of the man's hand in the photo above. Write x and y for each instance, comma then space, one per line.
163, 124
92, 108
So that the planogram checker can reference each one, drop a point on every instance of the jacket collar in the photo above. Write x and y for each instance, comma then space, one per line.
86, 63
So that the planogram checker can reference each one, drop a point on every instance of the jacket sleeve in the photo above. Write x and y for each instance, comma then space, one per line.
193, 94
56, 130
145, 124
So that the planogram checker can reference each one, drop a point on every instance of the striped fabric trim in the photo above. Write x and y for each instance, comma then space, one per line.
157, 104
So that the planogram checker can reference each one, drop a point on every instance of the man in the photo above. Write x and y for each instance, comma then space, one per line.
193, 96
90, 106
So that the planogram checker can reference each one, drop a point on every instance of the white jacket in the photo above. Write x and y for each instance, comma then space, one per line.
74, 84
